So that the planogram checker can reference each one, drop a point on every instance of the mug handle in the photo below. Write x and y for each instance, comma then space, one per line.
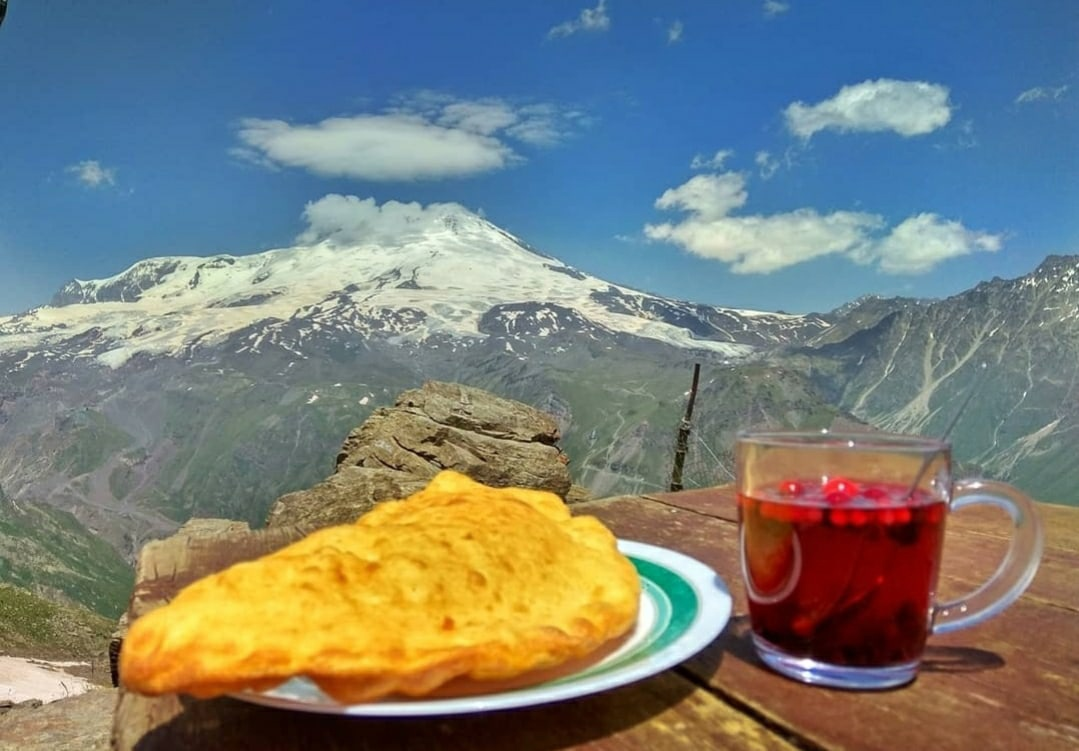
1016, 570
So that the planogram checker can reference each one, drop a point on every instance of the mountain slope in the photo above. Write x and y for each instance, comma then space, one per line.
1014, 344
32, 626
47, 551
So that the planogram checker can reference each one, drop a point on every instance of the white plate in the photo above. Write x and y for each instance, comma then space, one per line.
684, 606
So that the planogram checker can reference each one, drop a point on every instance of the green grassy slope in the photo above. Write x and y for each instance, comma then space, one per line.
31, 626
48, 552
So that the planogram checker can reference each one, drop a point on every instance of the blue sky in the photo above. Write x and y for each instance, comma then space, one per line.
779, 155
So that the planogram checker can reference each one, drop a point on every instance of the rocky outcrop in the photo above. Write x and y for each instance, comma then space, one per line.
342, 497
82, 722
496, 441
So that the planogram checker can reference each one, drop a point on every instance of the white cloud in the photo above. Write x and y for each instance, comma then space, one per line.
706, 196
484, 117
92, 174
920, 242
1039, 93
674, 32
966, 138
909, 108
377, 147
590, 19
766, 163
429, 136
713, 162
538, 124
545, 124
349, 220
761, 244
773, 8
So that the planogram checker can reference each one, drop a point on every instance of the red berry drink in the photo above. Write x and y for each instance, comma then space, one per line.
842, 572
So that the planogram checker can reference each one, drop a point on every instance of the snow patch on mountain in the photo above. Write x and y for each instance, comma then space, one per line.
443, 272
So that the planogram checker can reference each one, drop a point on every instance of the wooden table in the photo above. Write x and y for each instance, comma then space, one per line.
1011, 683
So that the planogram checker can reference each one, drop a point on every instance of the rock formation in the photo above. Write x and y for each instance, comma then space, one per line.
394, 453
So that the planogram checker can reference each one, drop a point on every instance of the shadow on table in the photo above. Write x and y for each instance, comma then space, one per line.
231, 724
737, 642
959, 660
171, 722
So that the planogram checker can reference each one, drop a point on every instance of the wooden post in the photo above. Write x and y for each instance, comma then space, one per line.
682, 442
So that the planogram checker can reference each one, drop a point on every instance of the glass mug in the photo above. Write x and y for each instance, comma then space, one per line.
841, 537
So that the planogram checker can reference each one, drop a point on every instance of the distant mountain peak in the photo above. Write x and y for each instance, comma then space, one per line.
392, 271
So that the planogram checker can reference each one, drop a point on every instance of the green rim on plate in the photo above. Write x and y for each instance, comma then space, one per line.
676, 606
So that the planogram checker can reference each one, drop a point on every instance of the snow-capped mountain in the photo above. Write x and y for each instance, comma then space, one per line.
454, 277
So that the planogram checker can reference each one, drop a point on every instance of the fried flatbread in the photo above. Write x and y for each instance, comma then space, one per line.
458, 581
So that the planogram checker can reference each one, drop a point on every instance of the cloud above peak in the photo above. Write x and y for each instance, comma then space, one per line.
762, 244
377, 147
351, 220
427, 136
909, 108
590, 19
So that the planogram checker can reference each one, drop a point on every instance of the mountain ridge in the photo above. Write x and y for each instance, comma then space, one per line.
409, 288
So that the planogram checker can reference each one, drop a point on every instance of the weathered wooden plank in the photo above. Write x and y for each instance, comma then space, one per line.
712, 540
970, 558
719, 502
1011, 682
1061, 524
974, 546
980, 689
673, 527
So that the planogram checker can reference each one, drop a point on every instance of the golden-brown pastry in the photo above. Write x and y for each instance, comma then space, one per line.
457, 581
